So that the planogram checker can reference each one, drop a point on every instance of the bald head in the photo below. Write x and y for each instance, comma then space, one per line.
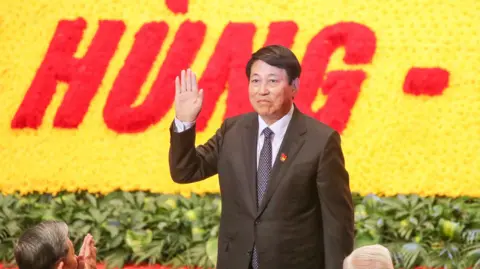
369, 257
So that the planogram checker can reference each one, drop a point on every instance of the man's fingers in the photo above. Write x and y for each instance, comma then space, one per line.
88, 250
182, 81
80, 263
84, 245
194, 83
177, 85
189, 80
200, 96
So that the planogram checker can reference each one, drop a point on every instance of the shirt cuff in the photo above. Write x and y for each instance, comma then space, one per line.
181, 126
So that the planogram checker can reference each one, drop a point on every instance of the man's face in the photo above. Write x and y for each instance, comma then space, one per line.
270, 93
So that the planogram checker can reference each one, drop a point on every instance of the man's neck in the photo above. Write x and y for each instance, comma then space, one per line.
270, 121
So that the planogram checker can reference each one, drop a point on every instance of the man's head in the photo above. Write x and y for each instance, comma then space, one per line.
273, 74
45, 246
369, 257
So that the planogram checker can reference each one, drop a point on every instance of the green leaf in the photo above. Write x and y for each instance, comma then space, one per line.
194, 256
116, 259
198, 233
12, 228
472, 257
83, 216
212, 250
129, 197
153, 253
83, 230
136, 240
437, 211
96, 233
410, 254
139, 198
450, 229
191, 215
471, 236
113, 230
91, 199
116, 242
97, 216
364, 239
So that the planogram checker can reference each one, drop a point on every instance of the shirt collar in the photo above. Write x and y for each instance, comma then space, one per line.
279, 128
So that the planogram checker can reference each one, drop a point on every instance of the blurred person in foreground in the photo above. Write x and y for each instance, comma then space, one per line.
369, 257
48, 246
286, 200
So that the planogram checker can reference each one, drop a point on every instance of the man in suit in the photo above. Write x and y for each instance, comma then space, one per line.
286, 201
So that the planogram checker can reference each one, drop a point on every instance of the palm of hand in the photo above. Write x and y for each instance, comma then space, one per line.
88, 254
188, 99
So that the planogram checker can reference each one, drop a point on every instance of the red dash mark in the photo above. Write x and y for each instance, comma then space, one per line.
426, 81
177, 6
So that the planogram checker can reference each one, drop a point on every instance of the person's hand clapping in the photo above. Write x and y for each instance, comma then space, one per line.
87, 257
188, 99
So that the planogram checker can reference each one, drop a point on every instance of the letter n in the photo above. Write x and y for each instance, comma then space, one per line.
83, 75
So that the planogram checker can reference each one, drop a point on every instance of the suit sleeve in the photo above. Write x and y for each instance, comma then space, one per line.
336, 204
180, 126
189, 163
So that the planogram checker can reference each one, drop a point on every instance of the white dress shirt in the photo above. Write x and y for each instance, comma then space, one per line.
279, 128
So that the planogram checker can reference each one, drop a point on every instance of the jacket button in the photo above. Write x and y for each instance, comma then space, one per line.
257, 222
249, 253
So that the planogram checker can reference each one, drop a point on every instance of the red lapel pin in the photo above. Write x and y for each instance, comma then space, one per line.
283, 157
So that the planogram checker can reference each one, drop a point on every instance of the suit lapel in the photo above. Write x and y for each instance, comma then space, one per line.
249, 145
291, 144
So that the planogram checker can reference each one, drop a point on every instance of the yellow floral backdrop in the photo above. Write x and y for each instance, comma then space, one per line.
400, 137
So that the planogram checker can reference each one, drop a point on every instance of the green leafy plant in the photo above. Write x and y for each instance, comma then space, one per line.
146, 228
137, 227
436, 232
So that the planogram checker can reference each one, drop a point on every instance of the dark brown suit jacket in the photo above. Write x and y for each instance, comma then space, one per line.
306, 218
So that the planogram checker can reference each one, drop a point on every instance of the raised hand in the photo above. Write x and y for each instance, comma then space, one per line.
188, 99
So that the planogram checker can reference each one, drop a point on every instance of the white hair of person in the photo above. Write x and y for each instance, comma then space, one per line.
42, 245
369, 257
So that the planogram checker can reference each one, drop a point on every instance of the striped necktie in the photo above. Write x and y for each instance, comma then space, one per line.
263, 176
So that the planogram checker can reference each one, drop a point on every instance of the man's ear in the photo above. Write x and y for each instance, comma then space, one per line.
296, 84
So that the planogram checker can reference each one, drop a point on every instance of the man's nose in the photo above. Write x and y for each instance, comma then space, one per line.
263, 90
